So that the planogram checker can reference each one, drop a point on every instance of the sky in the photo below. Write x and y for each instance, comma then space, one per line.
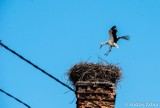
56, 34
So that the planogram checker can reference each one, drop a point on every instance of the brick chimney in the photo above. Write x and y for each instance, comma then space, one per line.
95, 94
95, 84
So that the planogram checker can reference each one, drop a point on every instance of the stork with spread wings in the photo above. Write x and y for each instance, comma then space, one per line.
113, 39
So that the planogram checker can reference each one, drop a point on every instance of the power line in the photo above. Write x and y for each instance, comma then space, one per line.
15, 98
43, 71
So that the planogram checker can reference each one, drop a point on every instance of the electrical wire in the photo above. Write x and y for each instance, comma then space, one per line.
43, 71
15, 98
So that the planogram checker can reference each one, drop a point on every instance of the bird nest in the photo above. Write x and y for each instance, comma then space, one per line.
94, 72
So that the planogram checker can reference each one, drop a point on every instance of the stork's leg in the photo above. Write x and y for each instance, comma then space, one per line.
110, 48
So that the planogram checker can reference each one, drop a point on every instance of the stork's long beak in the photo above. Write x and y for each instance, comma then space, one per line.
101, 46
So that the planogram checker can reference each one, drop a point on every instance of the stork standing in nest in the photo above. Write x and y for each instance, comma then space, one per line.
113, 39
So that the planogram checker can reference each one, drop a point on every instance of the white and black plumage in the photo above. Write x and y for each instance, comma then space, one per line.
113, 39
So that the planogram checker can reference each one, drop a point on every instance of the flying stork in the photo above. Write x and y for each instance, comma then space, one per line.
113, 39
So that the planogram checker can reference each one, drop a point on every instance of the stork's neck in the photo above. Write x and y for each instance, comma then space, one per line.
109, 42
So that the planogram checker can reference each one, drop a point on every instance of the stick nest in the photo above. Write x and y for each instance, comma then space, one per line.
94, 72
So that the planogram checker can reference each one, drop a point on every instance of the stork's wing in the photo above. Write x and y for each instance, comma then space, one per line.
124, 37
112, 33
